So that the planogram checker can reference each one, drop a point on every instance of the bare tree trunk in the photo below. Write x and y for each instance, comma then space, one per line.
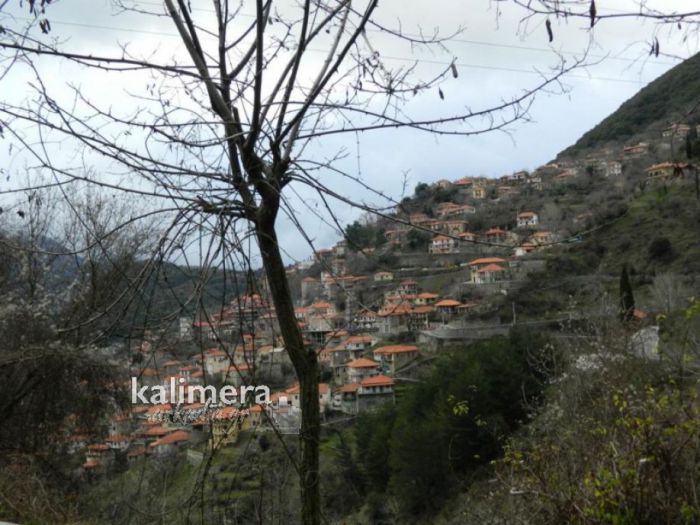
306, 365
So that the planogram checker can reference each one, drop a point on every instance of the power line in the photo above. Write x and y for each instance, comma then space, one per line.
411, 35
400, 58
601, 9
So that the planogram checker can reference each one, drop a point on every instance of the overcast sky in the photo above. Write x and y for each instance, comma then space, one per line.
496, 54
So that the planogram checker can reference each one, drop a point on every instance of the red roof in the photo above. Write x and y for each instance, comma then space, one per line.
362, 363
486, 260
441, 238
422, 310
176, 437
353, 339
379, 380
396, 349
447, 303
491, 268
318, 306
464, 181
349, 388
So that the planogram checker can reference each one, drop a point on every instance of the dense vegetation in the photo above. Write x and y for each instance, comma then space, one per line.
448, 426
670, 95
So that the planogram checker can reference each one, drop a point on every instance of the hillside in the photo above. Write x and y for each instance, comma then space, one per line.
471, 344
669, 97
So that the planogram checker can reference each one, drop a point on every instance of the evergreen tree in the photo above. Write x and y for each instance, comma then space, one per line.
690, 143
626, 296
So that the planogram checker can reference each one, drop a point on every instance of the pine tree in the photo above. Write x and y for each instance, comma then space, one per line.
626, 296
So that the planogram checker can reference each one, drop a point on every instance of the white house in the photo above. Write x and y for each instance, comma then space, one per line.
527, 218
443, 244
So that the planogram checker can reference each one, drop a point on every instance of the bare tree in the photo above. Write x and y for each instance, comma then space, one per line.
222, 138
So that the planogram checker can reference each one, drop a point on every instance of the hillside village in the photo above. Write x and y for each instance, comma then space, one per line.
348, 263
378, 305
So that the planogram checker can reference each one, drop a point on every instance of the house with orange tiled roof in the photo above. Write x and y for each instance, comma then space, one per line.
392, 318
666, 170
408, 286
488, 269
353, 398
425, 298
483, 261
464, 182
345, 398
358, 343
459, 211
359, 369
453, 227
490, 273
322, 308
468, 236
443, 209
170, 442
496, 235
375, 391
635, 150
393, 357
366, 320
419, 318
447, 306
526, 219
441, 244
